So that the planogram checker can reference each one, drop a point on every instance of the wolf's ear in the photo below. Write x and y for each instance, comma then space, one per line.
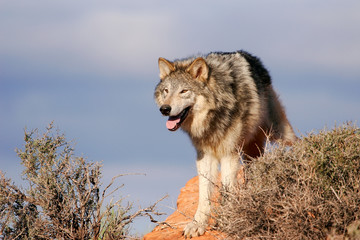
165, 67
199, 69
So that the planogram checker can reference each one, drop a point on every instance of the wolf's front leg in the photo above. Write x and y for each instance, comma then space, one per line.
207, 171
229, 169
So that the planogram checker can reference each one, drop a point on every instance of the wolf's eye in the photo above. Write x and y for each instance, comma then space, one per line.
166, 90
184, 91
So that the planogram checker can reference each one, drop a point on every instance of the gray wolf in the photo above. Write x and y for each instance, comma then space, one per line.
224, 102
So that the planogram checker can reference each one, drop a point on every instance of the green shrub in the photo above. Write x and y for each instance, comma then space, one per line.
63, 200
308, 191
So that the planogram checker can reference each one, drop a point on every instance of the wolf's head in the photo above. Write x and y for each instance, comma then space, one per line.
179, 89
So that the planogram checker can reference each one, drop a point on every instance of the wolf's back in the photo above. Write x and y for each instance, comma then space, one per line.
231, 61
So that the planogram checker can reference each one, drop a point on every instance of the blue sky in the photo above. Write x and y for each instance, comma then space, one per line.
91, 67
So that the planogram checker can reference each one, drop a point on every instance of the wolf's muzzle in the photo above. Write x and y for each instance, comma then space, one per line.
165, 110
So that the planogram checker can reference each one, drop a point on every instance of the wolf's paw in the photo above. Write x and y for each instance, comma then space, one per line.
194, 229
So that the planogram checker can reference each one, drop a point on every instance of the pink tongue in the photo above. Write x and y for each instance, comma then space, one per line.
171, 123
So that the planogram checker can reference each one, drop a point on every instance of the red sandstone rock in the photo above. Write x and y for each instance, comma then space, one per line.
186, 207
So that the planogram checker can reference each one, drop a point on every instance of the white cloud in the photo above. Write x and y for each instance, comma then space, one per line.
120, 41
121, 38
106, 40
321, 35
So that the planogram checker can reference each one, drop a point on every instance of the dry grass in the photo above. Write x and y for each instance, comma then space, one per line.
64, 199
308, 191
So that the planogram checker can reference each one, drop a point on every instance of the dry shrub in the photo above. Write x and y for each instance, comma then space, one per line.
308, 191
64, 199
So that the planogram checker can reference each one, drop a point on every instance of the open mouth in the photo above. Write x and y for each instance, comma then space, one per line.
174, 122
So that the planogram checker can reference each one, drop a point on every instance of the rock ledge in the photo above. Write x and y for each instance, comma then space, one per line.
186, 206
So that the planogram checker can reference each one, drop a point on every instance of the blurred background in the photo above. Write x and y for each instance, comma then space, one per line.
91, 67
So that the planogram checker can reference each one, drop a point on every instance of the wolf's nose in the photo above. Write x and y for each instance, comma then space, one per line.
165, 110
